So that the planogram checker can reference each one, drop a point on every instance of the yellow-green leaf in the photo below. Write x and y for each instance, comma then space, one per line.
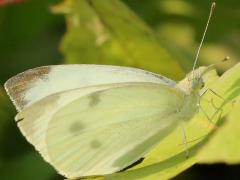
224, 147
108, 32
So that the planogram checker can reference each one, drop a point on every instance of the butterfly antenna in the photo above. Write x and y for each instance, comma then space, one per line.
200, 45
215, 64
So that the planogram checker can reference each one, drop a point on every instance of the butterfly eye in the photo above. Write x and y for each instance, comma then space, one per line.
202, 83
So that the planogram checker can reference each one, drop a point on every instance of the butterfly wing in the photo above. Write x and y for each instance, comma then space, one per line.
32, 85
33, 120
107, 130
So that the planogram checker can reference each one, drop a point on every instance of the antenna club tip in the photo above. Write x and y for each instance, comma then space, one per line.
213, 5
226, 58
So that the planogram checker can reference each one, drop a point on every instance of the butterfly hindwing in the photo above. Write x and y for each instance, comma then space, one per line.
108, 130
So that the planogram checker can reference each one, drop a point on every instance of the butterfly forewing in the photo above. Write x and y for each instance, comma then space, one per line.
35, 84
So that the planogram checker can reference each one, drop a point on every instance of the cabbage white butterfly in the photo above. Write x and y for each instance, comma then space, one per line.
90, 120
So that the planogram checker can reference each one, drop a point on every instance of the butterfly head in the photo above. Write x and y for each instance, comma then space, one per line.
197, 79
194, 81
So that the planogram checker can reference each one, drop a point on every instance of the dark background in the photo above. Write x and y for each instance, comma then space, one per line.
30, 36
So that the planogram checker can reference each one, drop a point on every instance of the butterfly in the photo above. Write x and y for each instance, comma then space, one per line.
88, 120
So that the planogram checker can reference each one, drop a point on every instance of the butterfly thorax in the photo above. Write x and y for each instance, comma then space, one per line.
190, 106
191, 87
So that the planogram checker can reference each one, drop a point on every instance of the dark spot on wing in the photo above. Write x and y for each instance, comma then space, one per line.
95, 144
76, 127
94, 99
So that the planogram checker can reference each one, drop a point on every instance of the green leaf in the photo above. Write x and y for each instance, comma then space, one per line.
6, 120
223, 146
29, 37
108, 32
9, 134
22, 168
4, 114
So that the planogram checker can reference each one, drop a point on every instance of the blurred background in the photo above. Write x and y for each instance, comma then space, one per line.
157, 35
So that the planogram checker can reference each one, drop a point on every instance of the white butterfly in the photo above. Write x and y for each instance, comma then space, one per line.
90, 120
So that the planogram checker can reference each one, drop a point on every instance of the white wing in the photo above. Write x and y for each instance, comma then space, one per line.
32, 85
105, 131
37, 116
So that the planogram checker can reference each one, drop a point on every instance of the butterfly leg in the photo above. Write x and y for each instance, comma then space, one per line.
205, 114
218, 109
215, 93
184, 139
